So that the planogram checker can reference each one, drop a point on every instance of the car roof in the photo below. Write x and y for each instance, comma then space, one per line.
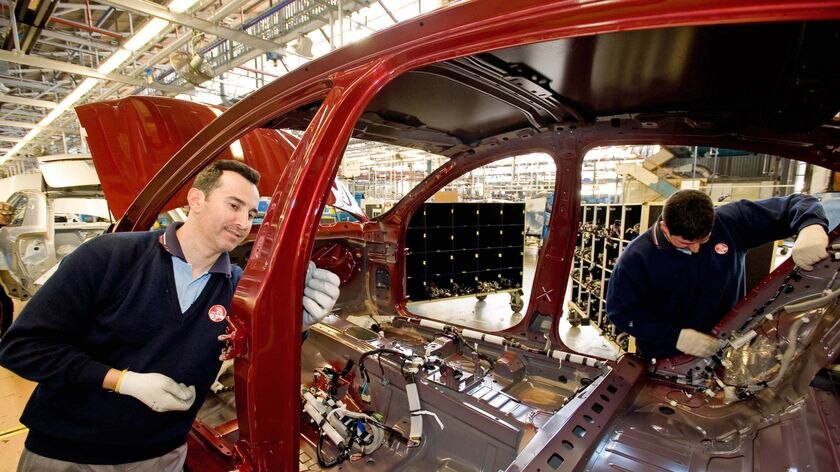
753, 81
743, 75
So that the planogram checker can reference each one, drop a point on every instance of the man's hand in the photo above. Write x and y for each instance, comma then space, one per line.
319, 294
157, 391
809, 247
695, 343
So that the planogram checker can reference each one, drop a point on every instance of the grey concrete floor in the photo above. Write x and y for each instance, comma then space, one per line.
14, 392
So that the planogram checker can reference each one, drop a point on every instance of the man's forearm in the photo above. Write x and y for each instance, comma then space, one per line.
111, 379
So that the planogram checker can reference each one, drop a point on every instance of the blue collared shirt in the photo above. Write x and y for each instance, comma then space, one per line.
189, 289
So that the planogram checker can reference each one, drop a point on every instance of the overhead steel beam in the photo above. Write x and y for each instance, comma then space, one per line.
39, 22
30, 17
32, 102
162, 55
152, 9
18, 124
70, 38
388, 12
23, 113
44, 63
10, 139
66, 8
32, 84
51, 128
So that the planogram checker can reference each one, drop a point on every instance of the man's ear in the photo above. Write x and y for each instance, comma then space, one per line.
195, 199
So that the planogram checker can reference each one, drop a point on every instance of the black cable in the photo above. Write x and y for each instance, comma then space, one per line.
318, 453
377, 352
480, 355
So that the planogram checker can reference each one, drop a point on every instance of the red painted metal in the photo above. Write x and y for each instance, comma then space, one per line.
339, 259
81, 26
552, 270
84, 27
203, 456
213, 438
265, 308
137, 135
88, 16
255, 71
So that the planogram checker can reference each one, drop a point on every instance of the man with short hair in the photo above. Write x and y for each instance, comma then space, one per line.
674, 282
123, 338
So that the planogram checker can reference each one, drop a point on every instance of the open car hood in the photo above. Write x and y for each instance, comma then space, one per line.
130, 140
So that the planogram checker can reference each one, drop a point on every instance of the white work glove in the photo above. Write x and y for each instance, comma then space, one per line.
695, 343
157, 391
809, 247
319, 294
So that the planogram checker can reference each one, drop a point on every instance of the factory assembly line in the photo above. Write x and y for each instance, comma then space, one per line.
477, 82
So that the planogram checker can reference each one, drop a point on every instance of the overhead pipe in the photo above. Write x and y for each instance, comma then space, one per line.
14, 30
255, 71
102, 19
88, 15
169, 48
82, 26
248, 24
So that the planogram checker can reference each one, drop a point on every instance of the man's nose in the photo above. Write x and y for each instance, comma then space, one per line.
694, 248
243, 220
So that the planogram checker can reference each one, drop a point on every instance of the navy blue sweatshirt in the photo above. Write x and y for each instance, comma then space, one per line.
656, 290
112, 303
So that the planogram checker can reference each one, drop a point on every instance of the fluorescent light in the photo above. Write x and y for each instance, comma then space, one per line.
146, 34
30, 135
17, 147
180, 6
52, 116
86, 86
114, 61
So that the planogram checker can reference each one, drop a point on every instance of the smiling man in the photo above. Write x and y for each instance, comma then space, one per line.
674, 282
123, 339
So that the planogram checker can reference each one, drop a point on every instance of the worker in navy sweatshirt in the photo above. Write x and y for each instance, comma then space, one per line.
123, 339
676, 281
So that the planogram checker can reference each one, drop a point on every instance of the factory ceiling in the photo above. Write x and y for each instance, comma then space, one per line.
58, 54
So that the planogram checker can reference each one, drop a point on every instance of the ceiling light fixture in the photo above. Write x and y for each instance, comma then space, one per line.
144, 35
114, 61
147, 33
180, 6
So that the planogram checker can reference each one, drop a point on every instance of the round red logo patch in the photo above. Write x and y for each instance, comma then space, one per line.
217, 313
721, 248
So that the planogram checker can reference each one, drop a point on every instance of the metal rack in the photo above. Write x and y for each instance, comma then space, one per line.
458, 249
604, 231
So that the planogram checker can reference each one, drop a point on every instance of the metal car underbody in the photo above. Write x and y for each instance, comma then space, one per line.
477, 82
